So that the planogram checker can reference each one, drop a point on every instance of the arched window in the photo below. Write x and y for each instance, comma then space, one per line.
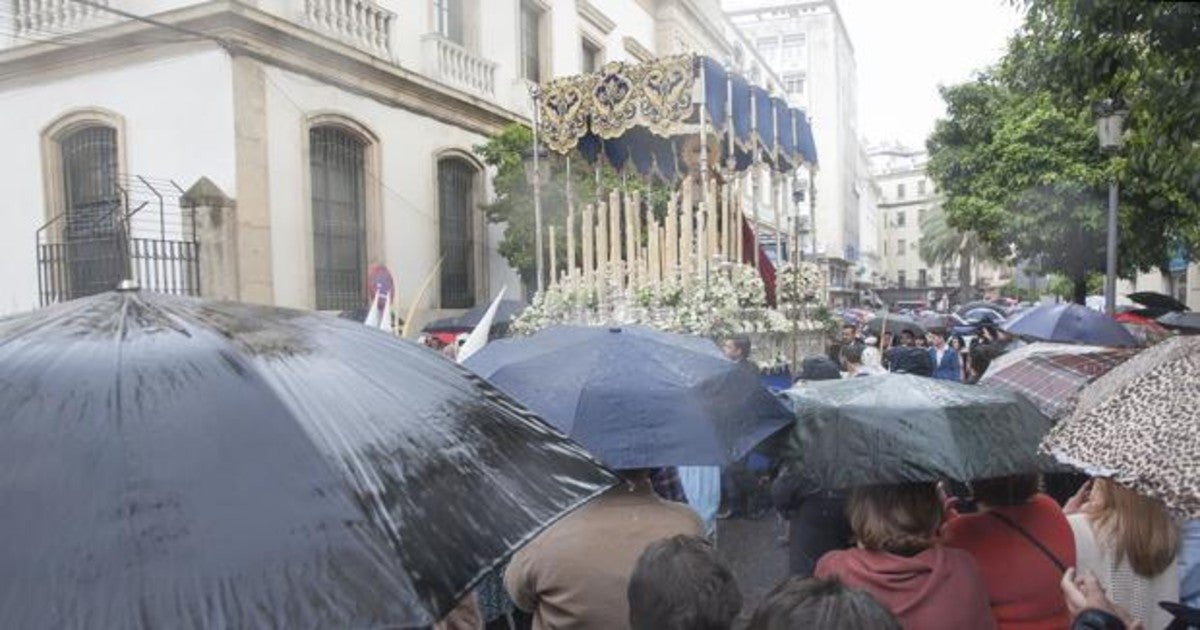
91, 206
456, 213
337, 159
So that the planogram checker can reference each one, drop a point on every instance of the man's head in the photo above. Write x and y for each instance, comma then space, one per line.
679, 584
849, 333
852, 356
816, 603
907, 338
818, 367
737, 348
937, 338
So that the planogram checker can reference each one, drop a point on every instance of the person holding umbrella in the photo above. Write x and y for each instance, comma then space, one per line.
816, 517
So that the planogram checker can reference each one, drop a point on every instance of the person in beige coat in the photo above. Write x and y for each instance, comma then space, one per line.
575, 574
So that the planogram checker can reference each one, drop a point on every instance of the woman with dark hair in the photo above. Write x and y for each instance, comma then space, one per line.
825, 604
1022, 543
900, 562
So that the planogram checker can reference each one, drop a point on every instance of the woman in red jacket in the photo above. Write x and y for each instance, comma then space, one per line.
1022, 543
899, 562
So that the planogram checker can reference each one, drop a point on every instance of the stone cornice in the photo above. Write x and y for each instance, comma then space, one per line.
593, 16
637, 49
242, 30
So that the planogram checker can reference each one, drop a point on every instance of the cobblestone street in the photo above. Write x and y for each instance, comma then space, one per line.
750, 549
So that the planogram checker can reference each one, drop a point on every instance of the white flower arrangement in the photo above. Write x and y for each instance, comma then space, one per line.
731, 300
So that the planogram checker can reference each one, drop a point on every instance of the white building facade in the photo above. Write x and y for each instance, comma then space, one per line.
806, 43
315, 138
906, 195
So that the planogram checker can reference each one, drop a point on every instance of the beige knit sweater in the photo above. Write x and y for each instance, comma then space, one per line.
1135, 593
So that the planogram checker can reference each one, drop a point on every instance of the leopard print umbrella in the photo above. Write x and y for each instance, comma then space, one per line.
1140, 424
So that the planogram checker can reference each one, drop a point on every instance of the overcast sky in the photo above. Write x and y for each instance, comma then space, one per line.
906, 48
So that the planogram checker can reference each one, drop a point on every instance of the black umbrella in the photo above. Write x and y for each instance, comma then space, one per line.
970, 306
895, 325
897, 428
1153, 299
1186, 322
174, 463
467, 322
636, 397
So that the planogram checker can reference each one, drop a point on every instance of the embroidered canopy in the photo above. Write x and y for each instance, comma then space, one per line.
643, 114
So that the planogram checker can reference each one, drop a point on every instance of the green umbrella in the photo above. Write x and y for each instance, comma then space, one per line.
897, 428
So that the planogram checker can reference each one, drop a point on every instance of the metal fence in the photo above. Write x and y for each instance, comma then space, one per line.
142, 235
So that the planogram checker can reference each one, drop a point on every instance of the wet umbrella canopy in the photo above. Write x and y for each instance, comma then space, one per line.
636, 397
897, 428
1069, 323
895, 325
172, 463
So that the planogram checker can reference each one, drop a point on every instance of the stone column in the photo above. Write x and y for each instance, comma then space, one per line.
216, 234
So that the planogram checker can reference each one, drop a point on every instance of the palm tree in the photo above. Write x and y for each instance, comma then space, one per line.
942, 244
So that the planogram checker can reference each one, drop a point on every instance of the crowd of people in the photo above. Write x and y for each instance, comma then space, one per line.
935, 353
995, 553
909, 556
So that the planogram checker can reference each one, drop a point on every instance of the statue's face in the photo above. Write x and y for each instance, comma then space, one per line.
691, 154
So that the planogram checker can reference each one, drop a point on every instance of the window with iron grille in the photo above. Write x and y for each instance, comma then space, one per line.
93, 235
336, 159
456, 201
531, 41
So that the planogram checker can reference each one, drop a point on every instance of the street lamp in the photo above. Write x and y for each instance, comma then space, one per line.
1110, 120
537, 177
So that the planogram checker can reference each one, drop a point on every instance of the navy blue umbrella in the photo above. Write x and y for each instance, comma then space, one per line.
1069, 323
635, 397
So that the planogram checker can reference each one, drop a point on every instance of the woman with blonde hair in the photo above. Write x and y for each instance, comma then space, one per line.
900, 563
1130, 542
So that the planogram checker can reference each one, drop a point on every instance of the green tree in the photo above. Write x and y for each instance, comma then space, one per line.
1147, 56
1017, 156
1023, 175
512, 206
942, 244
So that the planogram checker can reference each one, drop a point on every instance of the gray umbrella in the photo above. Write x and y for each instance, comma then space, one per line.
175, 463
898, 428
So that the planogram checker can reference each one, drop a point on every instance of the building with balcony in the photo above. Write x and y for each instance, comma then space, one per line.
271, 151
906, 195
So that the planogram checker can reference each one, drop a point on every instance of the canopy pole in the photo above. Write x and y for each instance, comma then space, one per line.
731, 232
535, 94
755, 177
701, 248
570, 266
